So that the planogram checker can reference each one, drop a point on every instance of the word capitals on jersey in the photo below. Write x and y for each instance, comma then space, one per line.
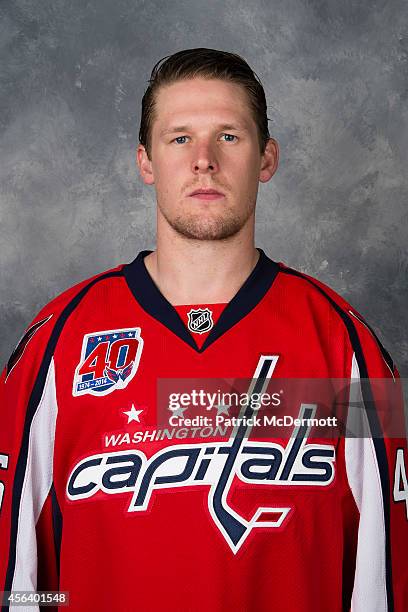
216, 465
109, 361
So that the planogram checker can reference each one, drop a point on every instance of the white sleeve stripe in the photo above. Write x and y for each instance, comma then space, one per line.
37, 483
363, 474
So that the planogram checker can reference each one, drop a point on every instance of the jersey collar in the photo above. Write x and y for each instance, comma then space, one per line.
155, 304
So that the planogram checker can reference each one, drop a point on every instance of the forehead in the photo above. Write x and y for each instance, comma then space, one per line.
201, 100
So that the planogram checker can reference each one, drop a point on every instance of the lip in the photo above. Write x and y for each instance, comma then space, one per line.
206, 194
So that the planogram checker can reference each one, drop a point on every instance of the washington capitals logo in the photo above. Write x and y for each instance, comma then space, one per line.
200, 320
22, 344
214, 465
109, 360
119, 376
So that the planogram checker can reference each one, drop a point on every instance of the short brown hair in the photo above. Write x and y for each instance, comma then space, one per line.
205, 63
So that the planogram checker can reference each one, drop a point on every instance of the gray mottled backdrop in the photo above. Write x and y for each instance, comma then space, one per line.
72, 75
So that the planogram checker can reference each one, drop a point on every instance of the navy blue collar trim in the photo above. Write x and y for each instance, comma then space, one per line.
154, 303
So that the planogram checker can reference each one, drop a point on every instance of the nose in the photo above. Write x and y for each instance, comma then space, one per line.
205, 160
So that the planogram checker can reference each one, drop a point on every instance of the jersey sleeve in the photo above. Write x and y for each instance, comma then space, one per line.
28, 506
376, 459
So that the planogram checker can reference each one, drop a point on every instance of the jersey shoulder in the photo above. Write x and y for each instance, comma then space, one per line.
56, 305
305, 283
360, 332
49, 321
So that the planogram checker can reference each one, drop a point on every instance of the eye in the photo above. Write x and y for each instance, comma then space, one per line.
178, 138
230, 136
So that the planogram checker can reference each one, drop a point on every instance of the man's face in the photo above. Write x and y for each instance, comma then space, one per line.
203, 136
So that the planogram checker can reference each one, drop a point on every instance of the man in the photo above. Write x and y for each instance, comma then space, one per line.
102, 498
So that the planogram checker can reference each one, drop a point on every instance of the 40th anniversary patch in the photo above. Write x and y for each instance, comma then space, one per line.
109, 361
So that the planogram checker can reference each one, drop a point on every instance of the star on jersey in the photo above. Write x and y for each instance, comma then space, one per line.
178, 412
133, 414
222, 409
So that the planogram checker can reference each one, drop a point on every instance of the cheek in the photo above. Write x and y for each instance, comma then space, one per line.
241, 166
167, 172
170, 183
244, 176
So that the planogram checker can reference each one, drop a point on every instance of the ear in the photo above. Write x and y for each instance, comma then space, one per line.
269, 161
145, 165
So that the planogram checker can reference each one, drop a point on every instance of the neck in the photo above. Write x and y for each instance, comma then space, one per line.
199, 271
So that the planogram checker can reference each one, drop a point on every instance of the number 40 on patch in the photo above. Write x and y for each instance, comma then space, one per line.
109, 360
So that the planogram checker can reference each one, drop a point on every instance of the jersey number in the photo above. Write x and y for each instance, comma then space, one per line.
3, 465
400, 479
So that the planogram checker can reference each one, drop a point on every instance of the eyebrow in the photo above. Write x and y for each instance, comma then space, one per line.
185, 128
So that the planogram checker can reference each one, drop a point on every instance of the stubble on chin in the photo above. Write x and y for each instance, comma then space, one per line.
218, 227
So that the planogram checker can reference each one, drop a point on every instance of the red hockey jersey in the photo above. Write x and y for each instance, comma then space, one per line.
100, 499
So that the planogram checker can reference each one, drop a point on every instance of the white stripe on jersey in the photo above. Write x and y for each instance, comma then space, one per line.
369, 592
37, 483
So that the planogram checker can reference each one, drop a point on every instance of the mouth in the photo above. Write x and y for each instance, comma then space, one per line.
206, 194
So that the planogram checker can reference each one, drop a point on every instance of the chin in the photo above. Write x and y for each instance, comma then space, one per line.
199, 229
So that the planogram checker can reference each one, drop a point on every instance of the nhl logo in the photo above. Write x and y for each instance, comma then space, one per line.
200, 320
